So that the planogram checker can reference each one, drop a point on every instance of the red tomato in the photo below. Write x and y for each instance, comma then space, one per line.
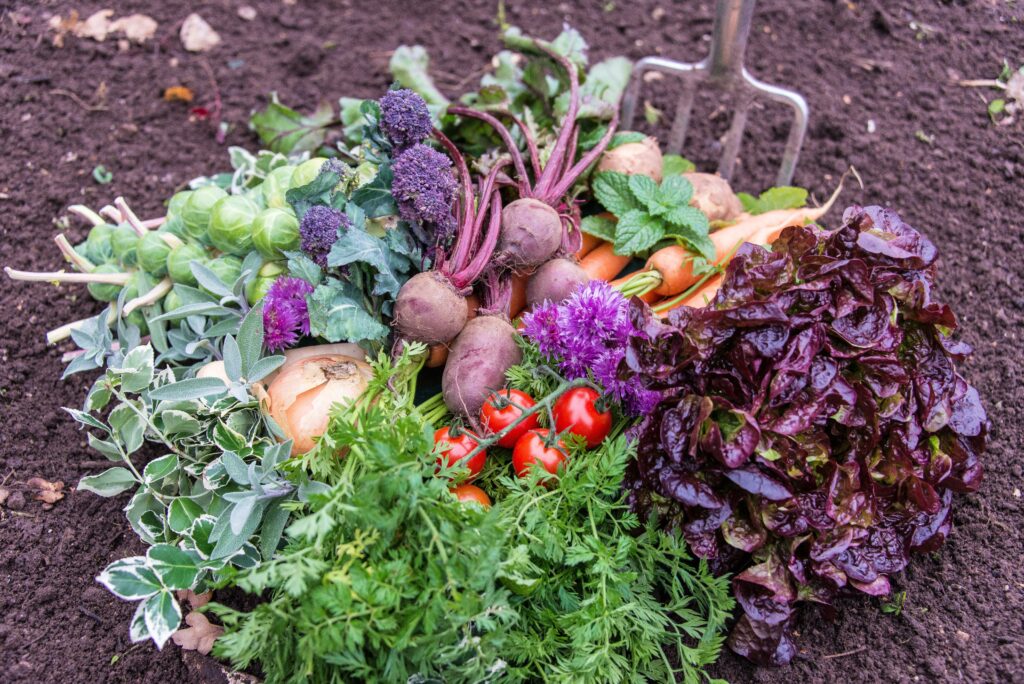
458, 448
576, 412
469, 493
531, 448
497, 419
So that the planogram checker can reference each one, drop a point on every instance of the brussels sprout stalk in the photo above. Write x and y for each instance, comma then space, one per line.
65, 277
111, 213
152, 297
86, 213
63, 332
73, 257
128, 215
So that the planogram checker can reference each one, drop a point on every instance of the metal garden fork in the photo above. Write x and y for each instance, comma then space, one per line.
723, 69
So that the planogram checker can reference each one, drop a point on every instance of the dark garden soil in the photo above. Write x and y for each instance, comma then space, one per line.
883, 95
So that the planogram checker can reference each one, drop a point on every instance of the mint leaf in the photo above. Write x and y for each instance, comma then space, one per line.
673, 165
696, 242
690, 225
637, 232
284, 130
612, 191
674, 192
690, 217
645, 190
599, 226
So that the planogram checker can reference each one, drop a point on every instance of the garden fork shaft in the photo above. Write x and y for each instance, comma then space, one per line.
723, 69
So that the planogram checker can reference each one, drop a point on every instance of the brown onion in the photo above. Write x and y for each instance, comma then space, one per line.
301, 396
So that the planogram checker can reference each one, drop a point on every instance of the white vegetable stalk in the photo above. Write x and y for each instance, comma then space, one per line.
128, 215
65, 277
86, 213
73, 257
63, 332
152, 297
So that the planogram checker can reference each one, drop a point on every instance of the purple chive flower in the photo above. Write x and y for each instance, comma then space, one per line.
404, 118
587, 334
285, 313
424, 187
319, 231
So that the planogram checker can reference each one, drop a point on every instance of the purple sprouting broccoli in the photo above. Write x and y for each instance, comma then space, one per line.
319, 231
424, 188
404, 118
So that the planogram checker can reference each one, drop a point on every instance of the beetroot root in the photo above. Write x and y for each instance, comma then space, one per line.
477, 362
531, 233
554, 281
428, 309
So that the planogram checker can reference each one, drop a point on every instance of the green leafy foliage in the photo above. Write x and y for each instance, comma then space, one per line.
283, 129
649, 213
673, 165
783, 197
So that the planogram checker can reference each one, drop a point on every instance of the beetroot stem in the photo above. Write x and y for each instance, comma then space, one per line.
483, 254
506, 138
585, 161
531, 144
558, 152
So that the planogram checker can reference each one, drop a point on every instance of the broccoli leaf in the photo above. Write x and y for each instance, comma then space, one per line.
337, 313
375, 197
282, 129
356, 246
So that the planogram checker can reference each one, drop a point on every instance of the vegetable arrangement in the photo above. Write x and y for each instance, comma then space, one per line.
763, 411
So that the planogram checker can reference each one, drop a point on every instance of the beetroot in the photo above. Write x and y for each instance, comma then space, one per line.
531, 233
554, 281
429, 309
477, 362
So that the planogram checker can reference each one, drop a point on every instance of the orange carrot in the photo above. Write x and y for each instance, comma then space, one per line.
603, 263
518, 301
590, 242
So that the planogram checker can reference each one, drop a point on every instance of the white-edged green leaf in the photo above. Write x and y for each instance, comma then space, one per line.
130, 579
191, 388
137, 630
162, 615
637, 232
99, 395
181, 513
179, 424
599, 226
174, 567
86, 419
612, 190
110, 482
129, 427
137, 369
159, 468
105, 447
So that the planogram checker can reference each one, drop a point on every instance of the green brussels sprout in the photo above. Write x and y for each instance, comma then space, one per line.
196, 212
179, 262
176, 205
230, 228
97, 245
258, 286
255, 195
172, 301
275, 185
306, 172
227, 268
152, 253
175, 226
124, 241
275, 231
105, 292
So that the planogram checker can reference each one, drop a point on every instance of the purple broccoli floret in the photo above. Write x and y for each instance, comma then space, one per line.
404, 118
424, 188
319, 231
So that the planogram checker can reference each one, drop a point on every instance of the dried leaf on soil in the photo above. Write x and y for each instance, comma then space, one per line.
195, 600
46, 491
199, 635
197, 35
137, 28
178, 94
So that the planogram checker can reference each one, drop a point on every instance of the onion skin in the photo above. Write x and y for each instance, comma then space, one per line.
301, 396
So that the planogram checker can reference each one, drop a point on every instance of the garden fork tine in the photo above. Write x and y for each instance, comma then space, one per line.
723, 69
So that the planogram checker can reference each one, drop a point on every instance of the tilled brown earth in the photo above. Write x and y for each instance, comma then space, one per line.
882, 89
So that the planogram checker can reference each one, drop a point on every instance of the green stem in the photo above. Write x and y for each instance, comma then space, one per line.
149, 422
640, 283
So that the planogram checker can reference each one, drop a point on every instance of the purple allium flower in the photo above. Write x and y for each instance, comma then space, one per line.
404, 118
424, 187
587, 335
319, 231
285, 313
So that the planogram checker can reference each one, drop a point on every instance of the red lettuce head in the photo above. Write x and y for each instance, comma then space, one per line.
813, 425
